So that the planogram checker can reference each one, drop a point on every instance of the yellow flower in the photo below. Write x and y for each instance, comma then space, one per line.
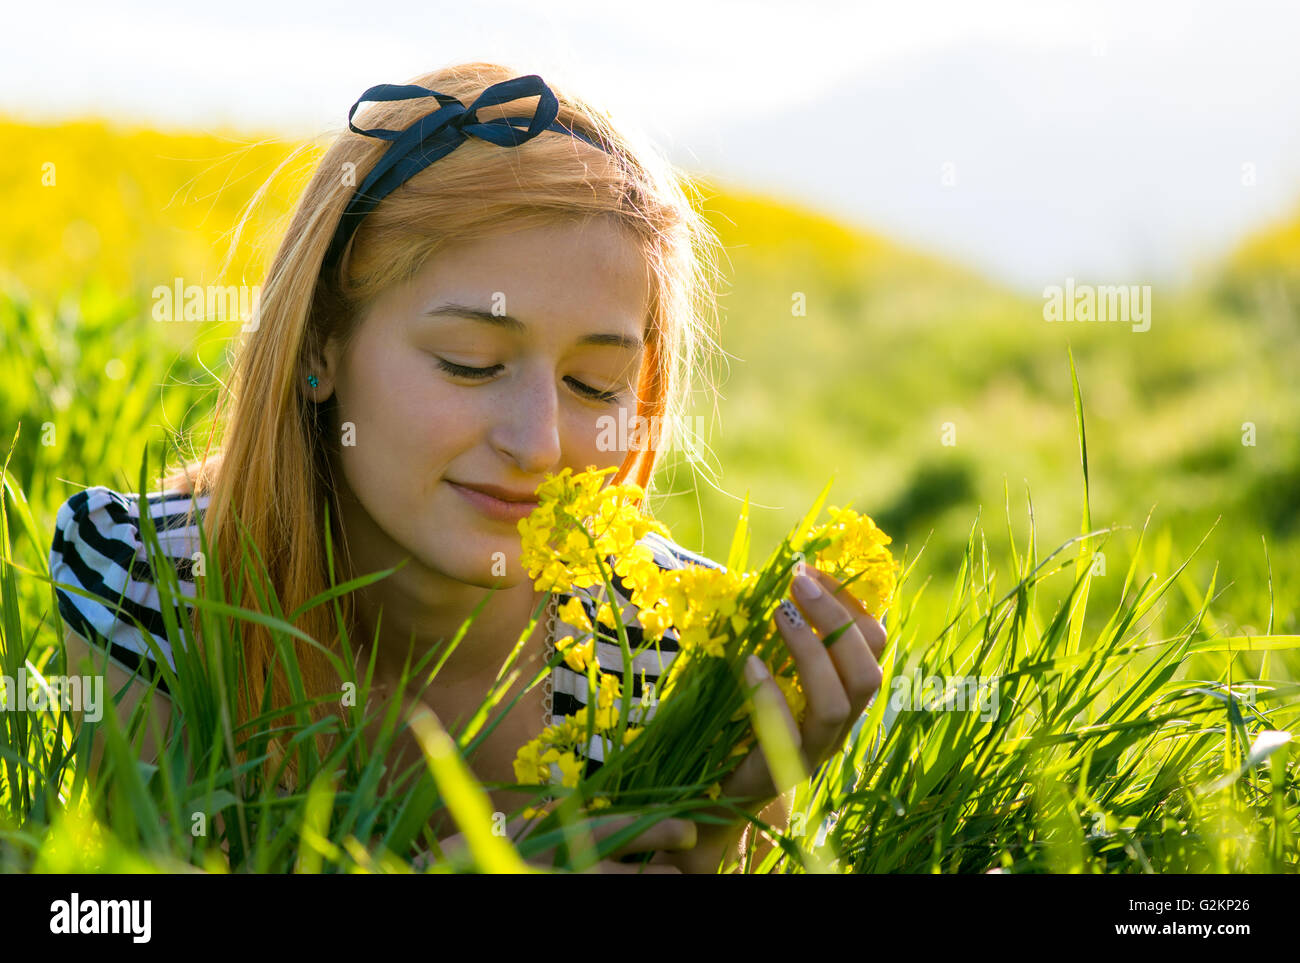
578, 523
607, 695
631, 733
550, 764
529, 767
635, 558
654, 623
607, 718
575, 613
608, 690
858, 549
567, 733
741, 748
794, 696
714, 791
577, 654
701, 603
570, 769
605, 615
599, 802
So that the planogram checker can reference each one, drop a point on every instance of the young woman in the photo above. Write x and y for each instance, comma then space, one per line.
458, 307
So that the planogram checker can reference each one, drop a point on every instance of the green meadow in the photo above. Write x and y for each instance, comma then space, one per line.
1144, 665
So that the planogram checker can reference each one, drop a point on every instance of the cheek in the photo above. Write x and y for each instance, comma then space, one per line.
599, 437
408, 421
438, 422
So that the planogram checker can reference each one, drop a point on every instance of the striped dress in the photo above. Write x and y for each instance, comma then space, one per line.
98, 549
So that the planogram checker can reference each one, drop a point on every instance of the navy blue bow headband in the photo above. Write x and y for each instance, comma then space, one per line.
438, 134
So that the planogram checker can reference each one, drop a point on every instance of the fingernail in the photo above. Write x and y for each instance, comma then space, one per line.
806, 588
755, 670
787, 608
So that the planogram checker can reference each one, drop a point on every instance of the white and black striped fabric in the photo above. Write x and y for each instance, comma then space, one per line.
97, 547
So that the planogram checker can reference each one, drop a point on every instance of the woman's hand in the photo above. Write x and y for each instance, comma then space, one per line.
837, 680
664, 837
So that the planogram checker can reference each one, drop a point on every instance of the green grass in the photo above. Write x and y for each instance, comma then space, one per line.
1129, 698
1103, 751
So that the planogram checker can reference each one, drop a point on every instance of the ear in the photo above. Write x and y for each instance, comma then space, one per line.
323, 364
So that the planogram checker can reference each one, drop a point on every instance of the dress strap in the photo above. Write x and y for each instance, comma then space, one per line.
548, 684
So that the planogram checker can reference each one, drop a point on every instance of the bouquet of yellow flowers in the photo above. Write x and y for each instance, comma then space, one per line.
584, 533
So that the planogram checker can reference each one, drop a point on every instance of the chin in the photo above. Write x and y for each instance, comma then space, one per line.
487, 580
487, 561
490, 576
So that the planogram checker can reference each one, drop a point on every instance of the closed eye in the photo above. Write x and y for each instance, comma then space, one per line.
594, 393
463, 371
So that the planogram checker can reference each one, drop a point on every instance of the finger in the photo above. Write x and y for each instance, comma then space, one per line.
753, 776
608, 866
598, 826
853, 657
871, 628
828, 702
858, 681
666, 834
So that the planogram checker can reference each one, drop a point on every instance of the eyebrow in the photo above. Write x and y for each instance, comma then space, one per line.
511, 323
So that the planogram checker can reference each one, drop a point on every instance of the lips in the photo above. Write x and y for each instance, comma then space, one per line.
495, 502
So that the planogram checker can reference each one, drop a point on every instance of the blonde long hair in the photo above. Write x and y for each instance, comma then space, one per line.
272, 469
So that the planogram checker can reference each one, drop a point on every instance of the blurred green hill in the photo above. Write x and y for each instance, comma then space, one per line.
895, 345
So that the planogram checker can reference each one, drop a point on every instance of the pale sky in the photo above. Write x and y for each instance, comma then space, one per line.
1032, 140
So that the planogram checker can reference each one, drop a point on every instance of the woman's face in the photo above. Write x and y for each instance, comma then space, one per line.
464, 386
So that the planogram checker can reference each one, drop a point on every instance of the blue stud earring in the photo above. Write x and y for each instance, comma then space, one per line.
311, 380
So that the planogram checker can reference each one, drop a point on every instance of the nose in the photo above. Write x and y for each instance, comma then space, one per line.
528, 430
